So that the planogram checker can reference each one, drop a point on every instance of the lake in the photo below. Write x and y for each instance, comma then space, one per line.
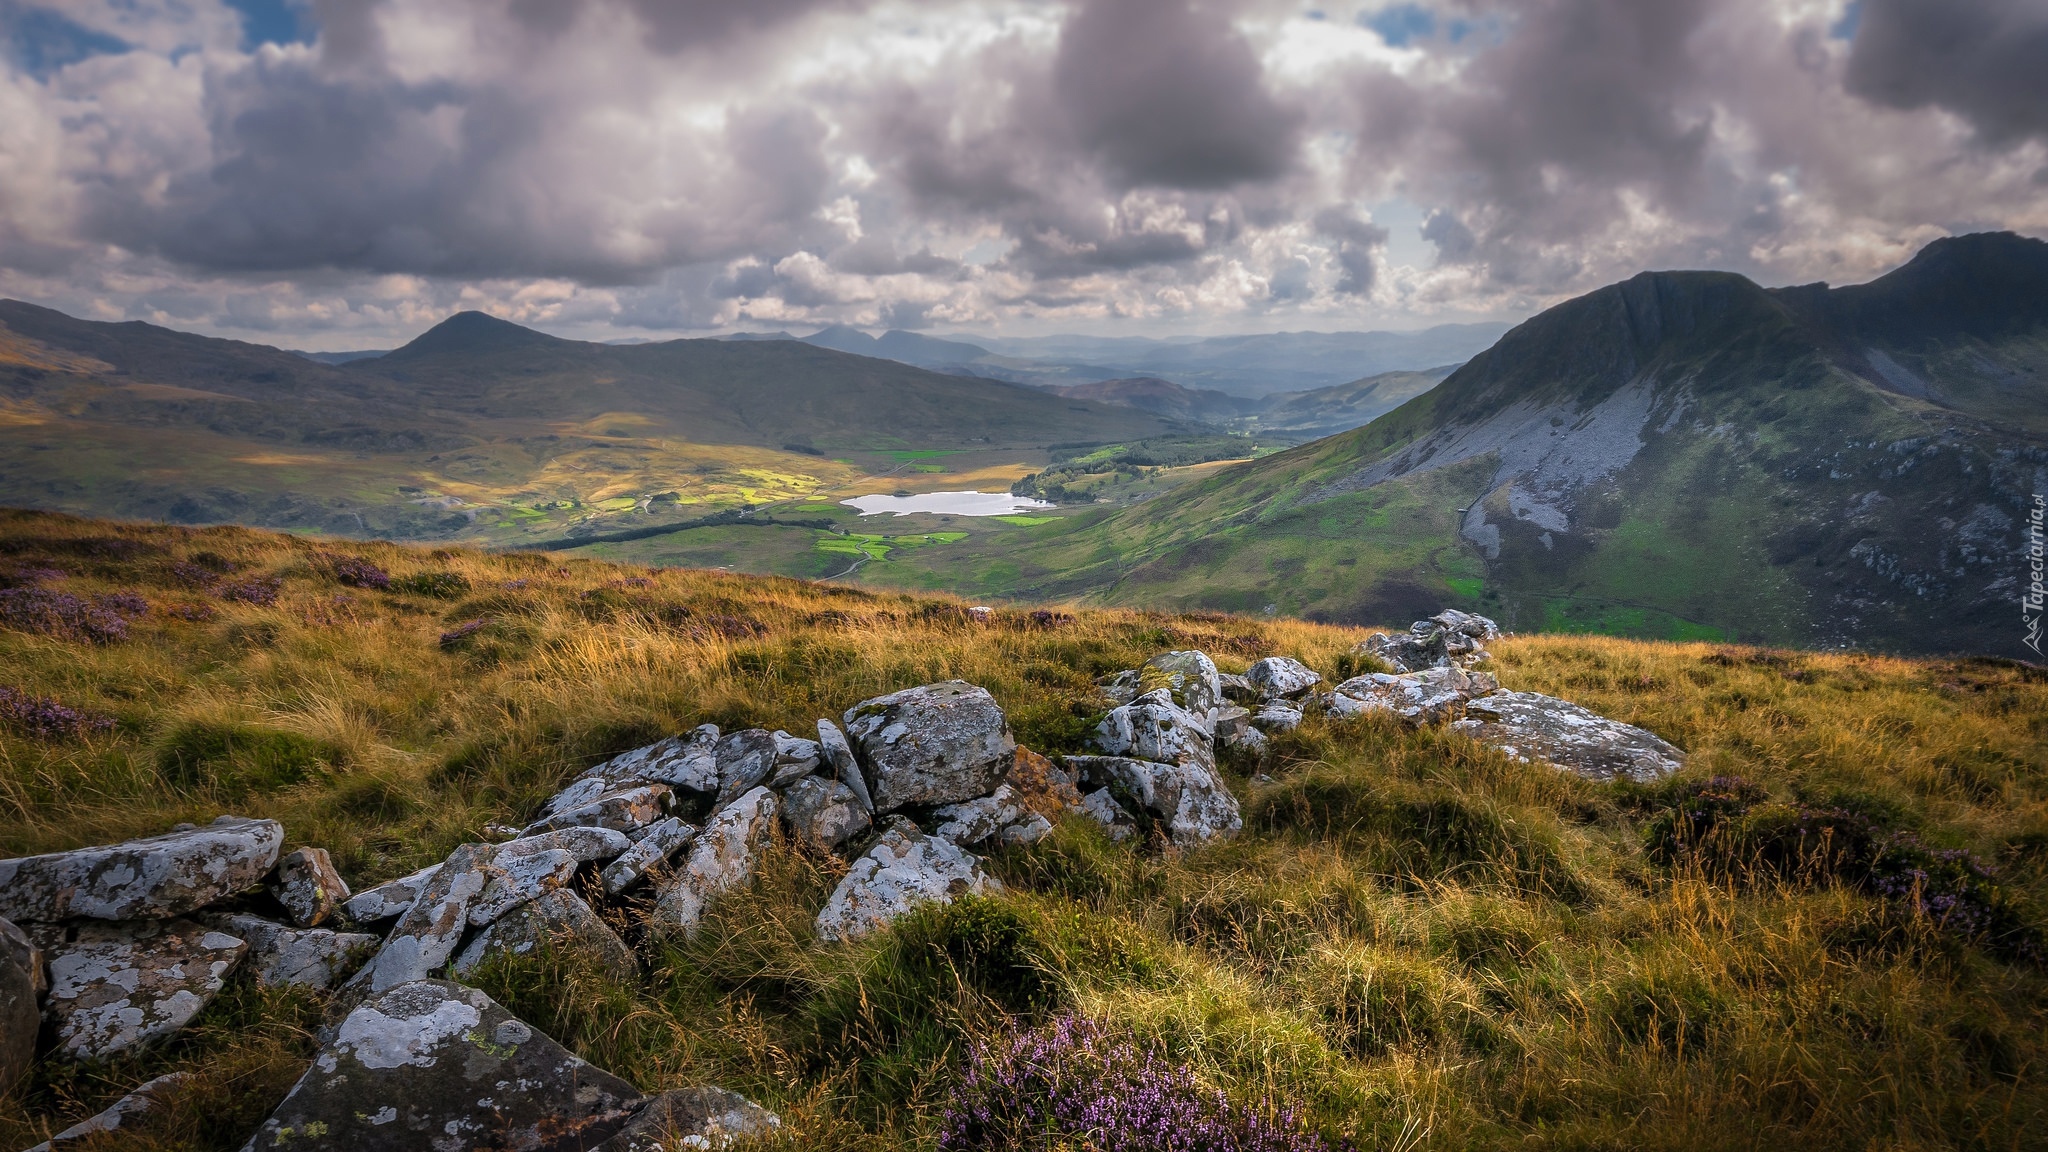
946, 504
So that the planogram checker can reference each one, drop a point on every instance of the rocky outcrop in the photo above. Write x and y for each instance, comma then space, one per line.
117, 986
1189, 677
1448, 639
1101, 806
688, 762
1426, 697
151, 879
520, 879
903, 869
431, 1064
1153, 727
308, 887
285, 957
653, 850
389, 900
723, 857
824, 812
1189, 800
936, 744
628, 810
559, 919
693, 1118
1001, 815
431, 929
147, 1097
22, 984
1277, 716
1282, 677
1531, 726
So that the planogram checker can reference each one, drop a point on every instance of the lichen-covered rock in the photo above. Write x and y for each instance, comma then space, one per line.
688, 762
151, 879
627, 810
902, 869
1190, 677
22, 984
935, 744
306, 883
745, 759
1123, 687
653, 850
723, 857
1102, 807
1153, 727
586, 844
433, 1065
1282, 677
1450, 638
1000, 815
1532, 726
1189, 799
833, 746
1426, 697
560, 918
389, 900
286, 957
825, 812
146, 1098
693, 1118
1236, 689
429, 932
795, 758
515, 880
116, 986
1277, 716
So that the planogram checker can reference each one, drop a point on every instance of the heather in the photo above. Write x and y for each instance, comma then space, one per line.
1814, 937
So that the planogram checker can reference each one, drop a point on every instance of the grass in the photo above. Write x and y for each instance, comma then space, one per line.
1416, 939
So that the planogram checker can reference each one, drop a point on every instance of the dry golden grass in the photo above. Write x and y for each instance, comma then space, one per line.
1424, 941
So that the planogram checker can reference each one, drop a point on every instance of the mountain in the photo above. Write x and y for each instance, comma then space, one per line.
479, 427
1683, 454
1328, 411
1161, 398
341, 357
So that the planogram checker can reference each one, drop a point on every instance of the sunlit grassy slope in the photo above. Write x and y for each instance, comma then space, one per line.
1413, 935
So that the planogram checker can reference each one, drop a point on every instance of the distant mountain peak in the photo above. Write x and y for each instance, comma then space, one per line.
471, 333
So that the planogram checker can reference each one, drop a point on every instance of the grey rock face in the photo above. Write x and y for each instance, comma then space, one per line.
833, 746
724, 856
1449, 638
585, 844
1281, 676
116, 986
22, 984
935, 744
1123, 687
151, 879
1153, 727
1425, 697
434, 1065
519, 879
389, 900
905, 868
1277, 716
427, 935
1190, 799
653, 850
687, 762
281, 957
560, 918
308, 886
824, 811
1001, 815
795, 758
693, 1118
1102, 807
625, 811
146, 1098
1190, 677
1532, 726
744, 760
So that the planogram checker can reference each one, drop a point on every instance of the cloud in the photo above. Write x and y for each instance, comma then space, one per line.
1356, 242
1980, 59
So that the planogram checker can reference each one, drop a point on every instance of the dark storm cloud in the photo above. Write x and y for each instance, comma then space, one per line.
1984, 60
1357, 244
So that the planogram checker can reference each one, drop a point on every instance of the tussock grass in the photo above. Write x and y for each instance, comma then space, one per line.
1424, 942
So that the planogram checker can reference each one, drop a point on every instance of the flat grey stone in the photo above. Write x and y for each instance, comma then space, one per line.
795, 758
586, 844
1282, 676
1153, 727
1426, 697
518, 879
662, 841
119, 985
1001, 815
826, 812
285, 957
389, 900
627, 810
903, 869
693, 1118
146, 1098
723, 857
934, 744
1534, 727
1277, 716
429, 932
688, 762
745, 758
431, 1066
560, 918
150, 879
306, 883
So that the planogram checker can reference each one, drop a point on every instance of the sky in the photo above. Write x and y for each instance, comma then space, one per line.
332, 174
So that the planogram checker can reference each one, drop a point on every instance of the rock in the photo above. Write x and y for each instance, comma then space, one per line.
1189, 798
22, 985
116, 986
627, 811
1001, 814
724, 856
1042, 786
1282, 677
308, 886
833, 746
152, 879
744, 760
1531, 726
981, 614
515, 880
1101, 806
1237, 689
1277, 716
1190, 677
147, 1097
1153, 727
283, 957
688, 762
826, 812
936, 744
560, 917
1123, 687
427, 935
662, 841
587, 845
1450, 638
389, 900
901, 870
1425, 697
692, 1118
795, 758
433, 1065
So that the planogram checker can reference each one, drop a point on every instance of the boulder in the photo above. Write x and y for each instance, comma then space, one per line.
795, 758
151, 879
515, 880
1426, 697
433, 1065
22, 984
688, 762
903, 869
936, 744
560, 918
427, 935
1190, 799
1450, 638
628, 810
285, 957
724, 856
306, 883
1277, 716
1153, 727
1531, 726
825, 812
146, 1098
116, 986
389, 900
1001, 815
833, 746
693, 1118
1102, 807
1123, 687
1190, 677
653, 850
744, 760
587, 845
1281, 677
